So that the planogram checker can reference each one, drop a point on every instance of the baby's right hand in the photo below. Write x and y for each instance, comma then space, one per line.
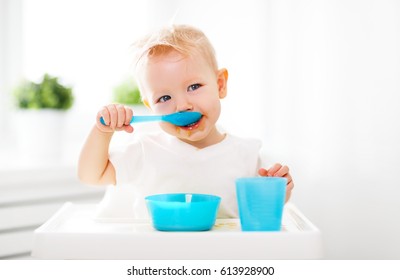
116, 117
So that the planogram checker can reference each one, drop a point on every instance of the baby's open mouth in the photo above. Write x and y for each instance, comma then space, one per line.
192, 125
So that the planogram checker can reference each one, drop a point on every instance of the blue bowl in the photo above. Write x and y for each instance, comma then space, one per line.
183, 212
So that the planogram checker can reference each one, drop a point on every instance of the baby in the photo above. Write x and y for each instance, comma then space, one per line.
176, 72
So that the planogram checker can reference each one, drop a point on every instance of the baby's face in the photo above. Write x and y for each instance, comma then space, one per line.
174, 83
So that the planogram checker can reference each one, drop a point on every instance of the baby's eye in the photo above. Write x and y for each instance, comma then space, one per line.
164, 98
193, 87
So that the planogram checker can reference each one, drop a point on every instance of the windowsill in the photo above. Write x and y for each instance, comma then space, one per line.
23, 176
17, 172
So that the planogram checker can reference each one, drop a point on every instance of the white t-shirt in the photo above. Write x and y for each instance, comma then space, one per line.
160, 163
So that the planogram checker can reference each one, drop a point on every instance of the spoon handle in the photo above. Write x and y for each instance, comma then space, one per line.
136, 119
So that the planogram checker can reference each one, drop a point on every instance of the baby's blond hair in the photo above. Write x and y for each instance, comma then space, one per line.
186, 40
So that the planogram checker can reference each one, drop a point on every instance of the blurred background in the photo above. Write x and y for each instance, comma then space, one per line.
317, 81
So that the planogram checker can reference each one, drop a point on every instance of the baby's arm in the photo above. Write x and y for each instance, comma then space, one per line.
94, 166
277, 170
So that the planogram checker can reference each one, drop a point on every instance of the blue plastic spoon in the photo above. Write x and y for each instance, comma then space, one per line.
179, 119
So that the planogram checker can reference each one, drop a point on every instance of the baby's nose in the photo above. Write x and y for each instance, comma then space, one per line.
184, 105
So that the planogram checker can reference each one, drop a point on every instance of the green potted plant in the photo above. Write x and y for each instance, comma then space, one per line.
48, 94
40, 116
127, 93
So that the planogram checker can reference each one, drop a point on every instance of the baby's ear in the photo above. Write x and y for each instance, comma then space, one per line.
222, 80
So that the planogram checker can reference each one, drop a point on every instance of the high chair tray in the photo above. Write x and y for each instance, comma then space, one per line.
73, 233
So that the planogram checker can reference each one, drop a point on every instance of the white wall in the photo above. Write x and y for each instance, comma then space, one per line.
333, 73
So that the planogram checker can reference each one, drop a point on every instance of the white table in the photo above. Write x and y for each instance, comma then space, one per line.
73, 233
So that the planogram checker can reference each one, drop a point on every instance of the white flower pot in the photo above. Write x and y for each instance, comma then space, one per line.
39, 135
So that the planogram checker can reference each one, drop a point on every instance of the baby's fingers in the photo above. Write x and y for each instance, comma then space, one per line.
121, 115
282, 171
274, 169
128, 115
289, 188
263, 172
105, 115
112, 110
124, 118
115, 117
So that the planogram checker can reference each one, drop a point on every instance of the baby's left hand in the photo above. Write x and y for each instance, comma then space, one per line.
277, 170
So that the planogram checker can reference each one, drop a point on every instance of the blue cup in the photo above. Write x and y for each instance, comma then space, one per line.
260, 202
